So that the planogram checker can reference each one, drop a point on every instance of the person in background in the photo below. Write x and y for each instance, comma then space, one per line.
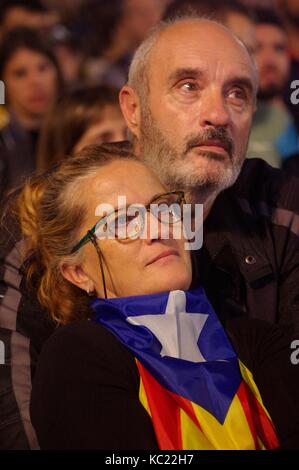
273, 135
80, 117
288, 11
26, 13
68, 52
113, 31
32, 83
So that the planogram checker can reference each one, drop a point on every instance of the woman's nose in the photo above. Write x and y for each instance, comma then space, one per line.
154, 230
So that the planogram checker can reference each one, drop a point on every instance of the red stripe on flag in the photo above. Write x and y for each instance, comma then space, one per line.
186, 405
258, 421
164, 410
243, 397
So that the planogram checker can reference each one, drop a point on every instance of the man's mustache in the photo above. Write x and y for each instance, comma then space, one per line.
220, 134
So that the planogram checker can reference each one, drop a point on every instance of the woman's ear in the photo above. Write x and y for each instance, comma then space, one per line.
130, 106
77, 276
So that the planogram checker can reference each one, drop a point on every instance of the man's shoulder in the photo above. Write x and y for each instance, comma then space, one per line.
261, 185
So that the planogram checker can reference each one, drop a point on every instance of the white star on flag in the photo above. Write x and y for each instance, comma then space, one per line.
177, 330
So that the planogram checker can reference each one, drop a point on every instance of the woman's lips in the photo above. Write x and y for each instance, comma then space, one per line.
163, 255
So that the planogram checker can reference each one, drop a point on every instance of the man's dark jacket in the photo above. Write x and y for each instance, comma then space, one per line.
249, 265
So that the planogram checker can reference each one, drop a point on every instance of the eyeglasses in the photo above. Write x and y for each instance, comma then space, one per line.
129, 222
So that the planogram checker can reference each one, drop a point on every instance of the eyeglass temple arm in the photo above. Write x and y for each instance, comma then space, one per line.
94, 242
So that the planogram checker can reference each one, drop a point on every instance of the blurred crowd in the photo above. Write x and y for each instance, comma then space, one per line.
63, 62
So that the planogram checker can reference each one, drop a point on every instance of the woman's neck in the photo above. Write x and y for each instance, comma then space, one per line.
30, 122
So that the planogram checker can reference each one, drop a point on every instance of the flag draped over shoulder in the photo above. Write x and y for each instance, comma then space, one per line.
196, 390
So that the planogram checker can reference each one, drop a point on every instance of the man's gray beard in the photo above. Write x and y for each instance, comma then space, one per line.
169, 166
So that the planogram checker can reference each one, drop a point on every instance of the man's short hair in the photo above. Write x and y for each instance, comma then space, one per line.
267, 16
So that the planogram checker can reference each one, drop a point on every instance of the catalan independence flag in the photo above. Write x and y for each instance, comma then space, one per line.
197, 392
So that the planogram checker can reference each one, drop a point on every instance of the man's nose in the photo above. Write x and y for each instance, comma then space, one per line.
214, 110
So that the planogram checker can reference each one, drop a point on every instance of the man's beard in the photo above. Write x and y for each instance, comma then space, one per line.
176, 171
267, 94
272, 90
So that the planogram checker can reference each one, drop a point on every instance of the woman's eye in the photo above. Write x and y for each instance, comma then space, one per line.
19, 73
124, 219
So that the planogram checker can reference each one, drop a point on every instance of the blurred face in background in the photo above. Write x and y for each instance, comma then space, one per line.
110, 127
140, 16
30, 84
18, 16
272, 60
243, 28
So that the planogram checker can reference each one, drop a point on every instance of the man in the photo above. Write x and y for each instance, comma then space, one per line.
273, 135
189, 104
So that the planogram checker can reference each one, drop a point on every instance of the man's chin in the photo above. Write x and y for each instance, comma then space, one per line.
197, 153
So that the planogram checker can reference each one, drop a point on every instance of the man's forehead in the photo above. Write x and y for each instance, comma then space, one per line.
196, 40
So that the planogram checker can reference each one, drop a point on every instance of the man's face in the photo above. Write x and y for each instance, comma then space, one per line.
272, 60
195, 122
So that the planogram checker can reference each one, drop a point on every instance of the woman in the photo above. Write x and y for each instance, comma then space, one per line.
32, 80
81, 117
187, 388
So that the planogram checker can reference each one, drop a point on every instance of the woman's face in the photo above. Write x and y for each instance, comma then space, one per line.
132, 267
30, 83
111, 127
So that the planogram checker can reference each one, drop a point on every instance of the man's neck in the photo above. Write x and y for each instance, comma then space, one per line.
202, 198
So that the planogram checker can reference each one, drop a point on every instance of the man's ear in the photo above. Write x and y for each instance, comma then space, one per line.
130, 106
76, 275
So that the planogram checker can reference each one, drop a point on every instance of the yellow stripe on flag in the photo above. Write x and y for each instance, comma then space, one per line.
233, 434
248, 377
143, 397
192, 437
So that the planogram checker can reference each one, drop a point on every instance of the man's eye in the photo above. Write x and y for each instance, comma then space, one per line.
188, 86
238, 95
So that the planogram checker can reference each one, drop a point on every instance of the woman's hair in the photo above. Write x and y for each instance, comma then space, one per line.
25, 38
69, 119
51, 212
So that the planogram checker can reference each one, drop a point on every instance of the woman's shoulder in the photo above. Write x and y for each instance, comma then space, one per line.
87, 345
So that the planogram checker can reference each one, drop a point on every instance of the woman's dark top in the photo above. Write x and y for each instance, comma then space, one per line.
86, 387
